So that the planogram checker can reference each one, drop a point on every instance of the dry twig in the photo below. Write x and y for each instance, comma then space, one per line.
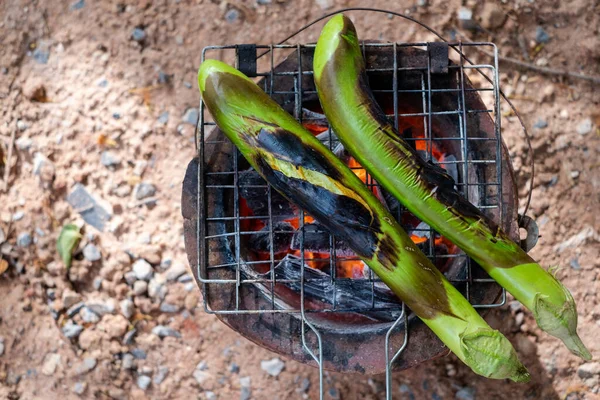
11, 145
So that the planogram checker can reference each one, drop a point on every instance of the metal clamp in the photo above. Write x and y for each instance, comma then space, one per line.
533, 232
246, 59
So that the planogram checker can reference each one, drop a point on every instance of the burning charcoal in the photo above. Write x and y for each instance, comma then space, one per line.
336, 146
422, 231
282, 235
314, 118
360, 295
253, 189
316, 239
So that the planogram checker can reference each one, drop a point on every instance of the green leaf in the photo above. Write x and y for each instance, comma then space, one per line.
67, 243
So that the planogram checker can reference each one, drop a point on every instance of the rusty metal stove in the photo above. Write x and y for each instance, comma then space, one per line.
416, 82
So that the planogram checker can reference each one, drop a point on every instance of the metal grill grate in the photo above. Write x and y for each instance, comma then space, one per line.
228, 223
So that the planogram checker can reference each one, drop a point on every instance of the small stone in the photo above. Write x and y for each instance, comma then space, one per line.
140, 167
333, 393
88, 316
123, 190
176, 271
541, 36
145, 238
139, 353
187, 84
232, 15
519, 318
109, 159
143, 270
24, 239
272, 367
465, 18
116, 115
210, 395
21, 125
140, 287
41, 54
191, 116
185, 278
200, 376
245, 393
163, 118
575, 264
79, 388
157, 288
202, 365
75, 309
70, 297
91, 253
102, 82
540, 124
144, 190
89, 209
101, 307
234, 368
127, 308
43, 168
325, 4
179, 40
588, 370
51, 362
151, 254
164, 78
515, 306
138, 34
161, 374
584, 127
305, 385
574, 174
130, 277
97, 283
127, 361
77, 5
492, 16
129, 336
18, 216
115, 325
143, 382
164, 331
1, 347
24, 143
169, 308
465, 393
88, 364
564, 113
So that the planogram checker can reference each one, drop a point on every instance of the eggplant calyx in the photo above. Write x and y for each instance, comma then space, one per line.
490, 354
559, 319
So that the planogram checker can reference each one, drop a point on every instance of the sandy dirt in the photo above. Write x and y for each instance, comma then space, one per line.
96, 93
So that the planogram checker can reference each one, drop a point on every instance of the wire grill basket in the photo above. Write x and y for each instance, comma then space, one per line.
226, 226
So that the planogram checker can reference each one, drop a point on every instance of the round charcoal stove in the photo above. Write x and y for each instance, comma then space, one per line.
273, 274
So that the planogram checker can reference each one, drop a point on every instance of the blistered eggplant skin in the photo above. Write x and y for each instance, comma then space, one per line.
426, 189
303, 170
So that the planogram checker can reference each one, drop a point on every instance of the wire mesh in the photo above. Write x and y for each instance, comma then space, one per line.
230, 224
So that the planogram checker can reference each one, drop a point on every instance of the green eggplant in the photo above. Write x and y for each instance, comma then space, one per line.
308, 174
425, 189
